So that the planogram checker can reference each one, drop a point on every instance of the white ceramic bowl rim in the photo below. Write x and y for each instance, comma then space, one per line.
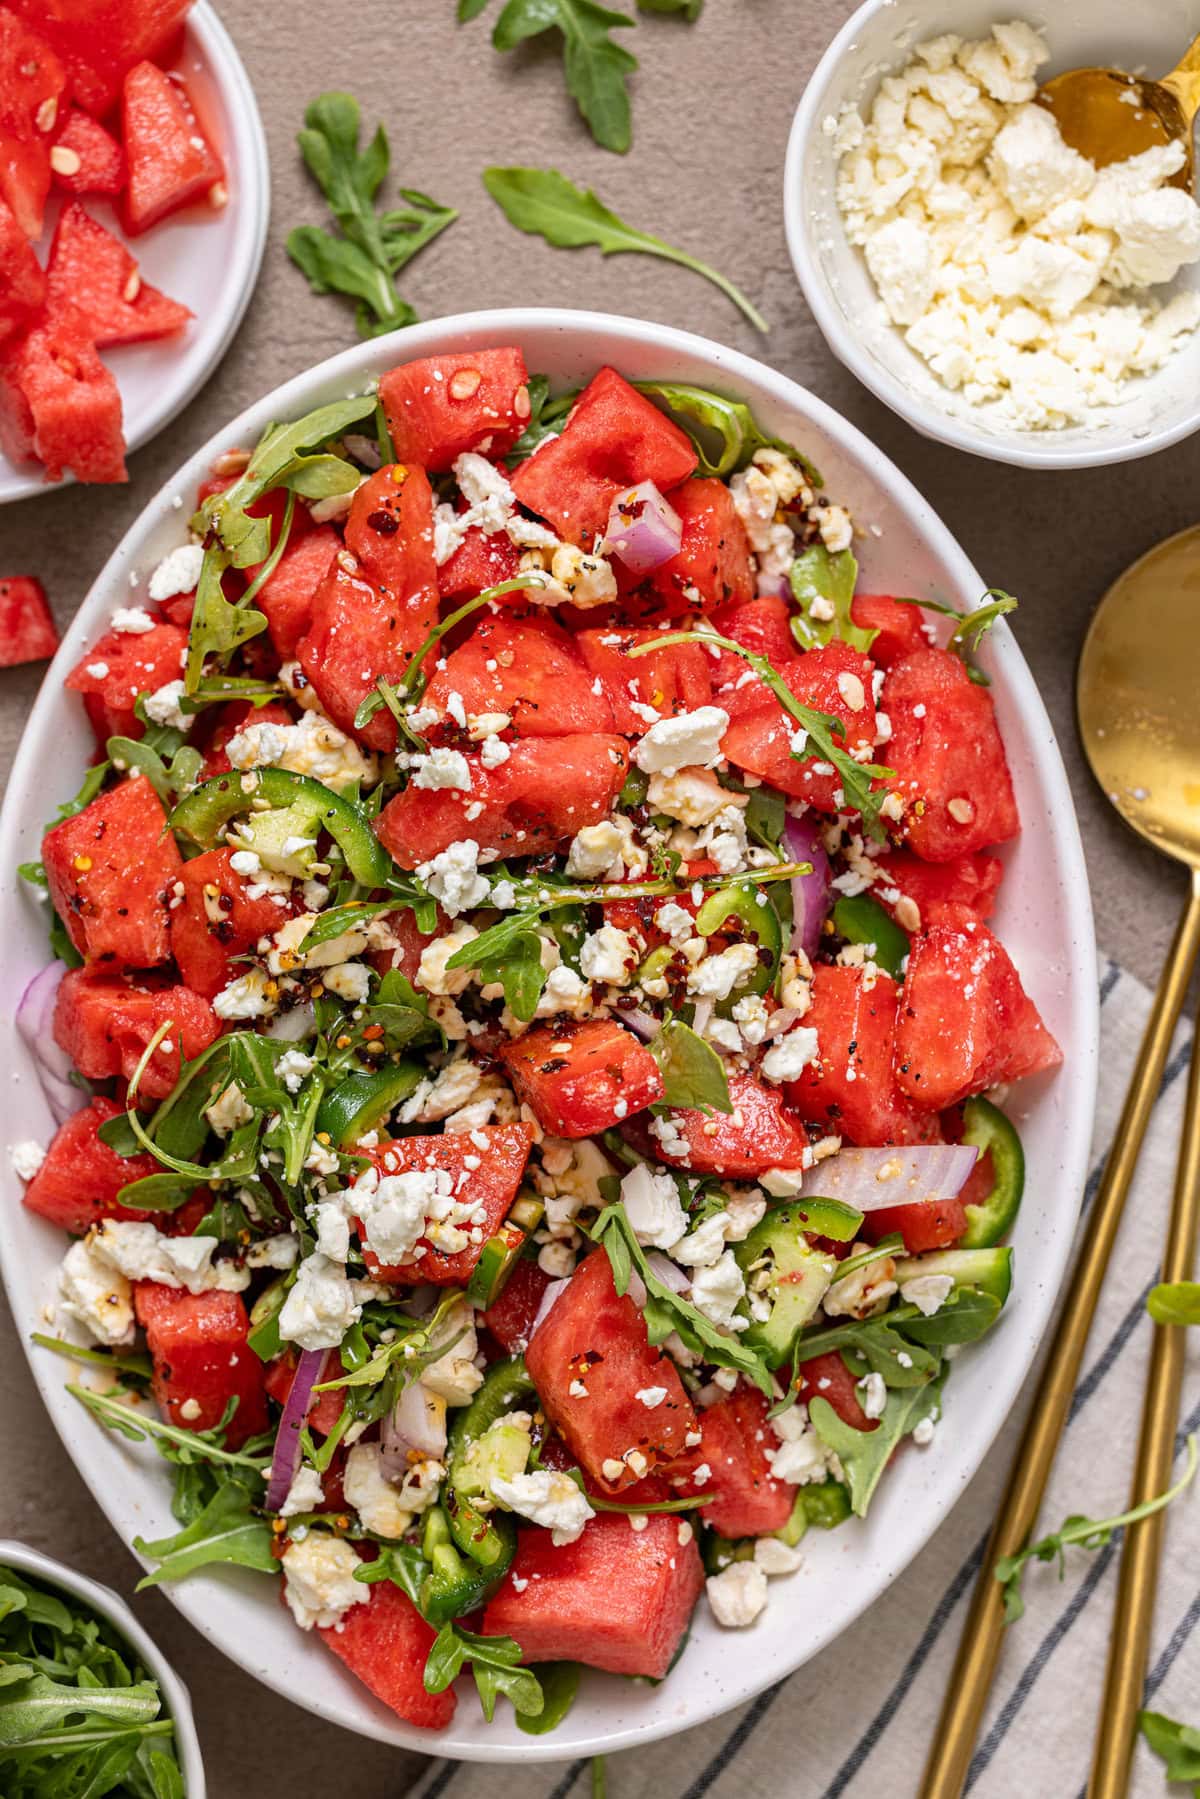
113, 1609
180, 379
1024, 449
221, 1606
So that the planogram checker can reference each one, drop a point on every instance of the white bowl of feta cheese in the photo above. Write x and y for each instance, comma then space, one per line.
986, 282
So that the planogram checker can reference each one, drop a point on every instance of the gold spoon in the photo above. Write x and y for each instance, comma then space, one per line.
1107, 115
1140, 724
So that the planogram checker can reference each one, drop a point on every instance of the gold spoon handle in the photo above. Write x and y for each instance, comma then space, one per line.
1129, 1642
1184, 82
979, 1650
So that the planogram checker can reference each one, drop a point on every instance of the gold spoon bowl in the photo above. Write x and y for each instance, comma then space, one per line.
1108, 115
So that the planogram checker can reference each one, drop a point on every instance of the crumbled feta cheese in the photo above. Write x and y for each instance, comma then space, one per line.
319, 1583
140, 1253
453, 877
274, 1252
565, 991
688, 740
694, 796
717, 1290
857, 1295
26, 1158
432, 972
178, 572
922, 1432
96, 1295
872, 1391
928, 1292
493, 751
313, 746
349, 980
594, 850
802, 1458
716, 977
676, 923
162, 707
791, 1055
774, 1557
607, 955
294, 1068
133, 621
737, 1594
247, 997
372, 1495
321, 1306
651, 1202
305, 1494
394, 1207
228, 1110
549, 1498
443, 768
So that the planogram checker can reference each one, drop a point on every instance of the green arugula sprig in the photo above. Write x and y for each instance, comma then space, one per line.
79, 1714
373, 246
864, 1454
817, 574
971, 627
495, 1664
1089, 1533
595, 66
725, 432
819, 726
545, 204
693, 1074
1178, 1745
665, 1310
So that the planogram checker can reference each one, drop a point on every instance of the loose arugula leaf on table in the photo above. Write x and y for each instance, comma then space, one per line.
545, 204
1175, 1302
818, 575
595, 66
665, 1310
818, 727
725, 432
688, 10
227, 1530
1090, 1533
1178, 1745
864, 1454
494, 1662
692, 1071
374, 246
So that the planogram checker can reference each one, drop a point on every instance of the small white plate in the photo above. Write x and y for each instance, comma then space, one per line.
207, 260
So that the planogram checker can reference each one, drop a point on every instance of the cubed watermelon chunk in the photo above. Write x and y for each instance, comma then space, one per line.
440, 406
613, 439
530, 670
676, 679
32, 83
712, 567
120, 666
27, 632
290, 590
105, 1022
951, 769
616, 1599
386, 1643
98, 40
833, 679
580, 1078
762, 625
202, 1359
483, 559
60, 405
899, 626
484, 1177
745, 1499
511, 1316
171, 162
938, 890
22, 279
89, 159
111, 870
594, 1337
850, 1089
215, 920
92, 276
926, 1224
967, 1023
759, 1133
548, 789
78, 1183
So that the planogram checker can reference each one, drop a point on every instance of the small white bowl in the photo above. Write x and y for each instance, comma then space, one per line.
209, 263
106, 1604
1161, 409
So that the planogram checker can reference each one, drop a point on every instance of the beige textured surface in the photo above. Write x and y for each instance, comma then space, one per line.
713, 104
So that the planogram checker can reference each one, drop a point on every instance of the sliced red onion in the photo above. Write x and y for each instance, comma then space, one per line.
771, 587
293, 1026
412, 1424
643, 1024
643, 529
35, 1022
870, 1179
636, 1290
668, 1272
285, 1458
548, 1298
811, 893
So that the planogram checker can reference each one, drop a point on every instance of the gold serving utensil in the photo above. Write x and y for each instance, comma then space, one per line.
1139, 717
1107, 115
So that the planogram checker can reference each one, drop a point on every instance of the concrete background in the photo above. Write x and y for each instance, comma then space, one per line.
713, 104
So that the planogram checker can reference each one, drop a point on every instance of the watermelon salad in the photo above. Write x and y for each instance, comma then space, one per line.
527, 1039
88, 113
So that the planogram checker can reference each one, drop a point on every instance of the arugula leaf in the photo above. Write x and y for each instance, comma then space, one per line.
226, 1531
971, 626
689, 10
665, 1310
34, 1703
494, 1663
693, 1073
130, 1362
545, 417
1090, 1533
819, 726
171, 1440
864, 1454
1178, 1745
545, 204
1175, 1302
595, 67
520, 972
402, 1564
374, 246
727, 427
816, 575
559, 1683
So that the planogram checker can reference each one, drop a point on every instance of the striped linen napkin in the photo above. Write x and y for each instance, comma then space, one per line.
857, 1721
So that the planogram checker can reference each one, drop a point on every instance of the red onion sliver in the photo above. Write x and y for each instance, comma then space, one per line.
643, 529
548, 1298
285, 1458
810, 893
412, 1424
871, 1179
668, 1272
35, 1022
643, 1024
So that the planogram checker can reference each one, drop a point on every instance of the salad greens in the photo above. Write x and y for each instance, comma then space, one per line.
819, 574
1178, 1745
1090, 1533
80, 1717
692, 1071
595, 67
372, 248
545, 204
